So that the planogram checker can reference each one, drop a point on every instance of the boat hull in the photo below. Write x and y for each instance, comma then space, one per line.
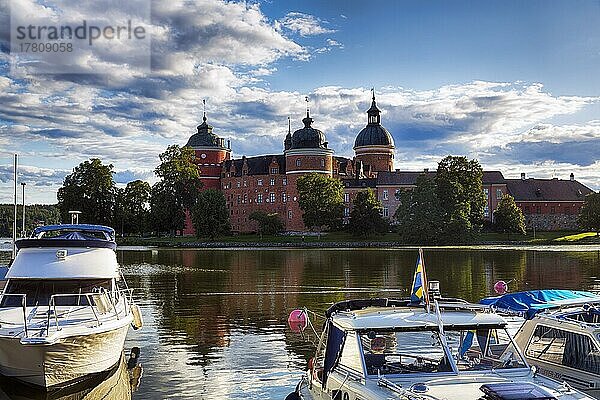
66, 360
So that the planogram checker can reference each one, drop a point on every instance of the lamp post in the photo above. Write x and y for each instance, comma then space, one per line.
23, 233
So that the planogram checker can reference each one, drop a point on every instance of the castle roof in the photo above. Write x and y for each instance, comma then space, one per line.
308, 137
256, 165
547, 189
374, 134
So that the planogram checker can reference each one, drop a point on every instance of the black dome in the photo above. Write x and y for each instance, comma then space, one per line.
308, 137
374, 135
205, 137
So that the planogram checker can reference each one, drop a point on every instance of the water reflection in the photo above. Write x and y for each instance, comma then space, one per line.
114, 384
216, 319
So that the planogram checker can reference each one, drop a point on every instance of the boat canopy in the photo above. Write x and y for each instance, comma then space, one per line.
108, 231
414, 318
64, 263
534, 301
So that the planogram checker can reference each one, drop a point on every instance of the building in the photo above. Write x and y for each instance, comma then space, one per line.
268, 182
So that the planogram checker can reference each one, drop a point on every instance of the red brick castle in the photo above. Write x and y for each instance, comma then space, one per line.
268, 182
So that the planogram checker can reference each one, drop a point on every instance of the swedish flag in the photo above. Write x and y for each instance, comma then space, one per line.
418, 291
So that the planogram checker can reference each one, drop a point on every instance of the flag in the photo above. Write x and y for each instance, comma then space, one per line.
418, 292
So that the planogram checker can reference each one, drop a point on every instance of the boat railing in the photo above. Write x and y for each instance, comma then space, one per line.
100, 302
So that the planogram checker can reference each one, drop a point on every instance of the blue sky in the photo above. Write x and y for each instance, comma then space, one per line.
511, 83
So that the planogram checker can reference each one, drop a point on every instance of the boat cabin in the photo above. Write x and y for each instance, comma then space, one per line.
403, 342
560, 334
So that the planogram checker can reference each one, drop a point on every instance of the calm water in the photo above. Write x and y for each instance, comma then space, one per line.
215, 320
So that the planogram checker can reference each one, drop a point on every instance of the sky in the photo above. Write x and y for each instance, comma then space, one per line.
514, 84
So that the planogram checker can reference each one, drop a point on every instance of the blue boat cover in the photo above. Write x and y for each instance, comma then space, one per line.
75, 227
534, 301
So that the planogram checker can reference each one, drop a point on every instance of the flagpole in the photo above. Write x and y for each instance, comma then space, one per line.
14, 249
425, 283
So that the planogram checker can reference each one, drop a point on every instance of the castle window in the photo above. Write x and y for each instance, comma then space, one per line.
346, 197
238, 184
245, 198
259, 182
272, 183
284, 181
259, 199
386, 212
289, 214
245, 184
346, 212
322, 162
498, 194
385, 194
271, 197
298, 162
283, 197
239, 199
274, 170
486, 191
527, 210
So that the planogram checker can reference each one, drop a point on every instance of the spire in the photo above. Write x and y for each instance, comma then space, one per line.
308, 120
374, 113
289, 126
287, 143
204, 106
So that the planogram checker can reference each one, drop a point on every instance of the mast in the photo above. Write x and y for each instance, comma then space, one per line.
14, 249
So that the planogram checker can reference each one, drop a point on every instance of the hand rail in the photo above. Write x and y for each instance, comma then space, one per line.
90, 303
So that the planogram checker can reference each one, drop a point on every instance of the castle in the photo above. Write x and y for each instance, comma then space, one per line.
268, 182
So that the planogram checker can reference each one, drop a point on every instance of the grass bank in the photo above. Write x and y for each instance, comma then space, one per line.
344, 239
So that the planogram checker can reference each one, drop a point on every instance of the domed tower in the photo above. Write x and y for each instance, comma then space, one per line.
374, 145
306, 151
210, 152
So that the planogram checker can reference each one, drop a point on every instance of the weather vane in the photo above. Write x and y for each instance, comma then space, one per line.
306, 99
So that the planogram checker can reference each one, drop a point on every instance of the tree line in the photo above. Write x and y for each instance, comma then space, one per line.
445, 207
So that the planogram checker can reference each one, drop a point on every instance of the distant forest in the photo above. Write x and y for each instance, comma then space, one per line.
35, 215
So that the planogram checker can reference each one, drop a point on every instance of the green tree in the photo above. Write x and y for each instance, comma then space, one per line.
321, 199
589, 216
420, 216
268, 223
91, 190
460, 193
366, 216
35, 215
177, 189
133, 207
210, 215
508, 217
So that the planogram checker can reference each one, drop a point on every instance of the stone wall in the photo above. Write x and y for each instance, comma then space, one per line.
551, 222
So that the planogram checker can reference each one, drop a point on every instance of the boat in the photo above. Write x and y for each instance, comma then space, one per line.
424, 347
66, 308
558, 332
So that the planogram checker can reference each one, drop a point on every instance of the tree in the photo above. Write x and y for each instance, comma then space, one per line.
460, 192
420, 216
210, 215
91, 190
177, 189
508, 217
589, 216
36, 215
133, 207
268, 224
366, 217
321, 199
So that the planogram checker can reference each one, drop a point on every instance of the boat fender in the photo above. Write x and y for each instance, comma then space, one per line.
137, 322
134, 356
293, 396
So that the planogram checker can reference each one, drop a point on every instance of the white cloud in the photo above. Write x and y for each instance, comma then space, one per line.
303, 24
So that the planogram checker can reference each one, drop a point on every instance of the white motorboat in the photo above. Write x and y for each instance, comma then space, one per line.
66, 309
419, 348
558, 332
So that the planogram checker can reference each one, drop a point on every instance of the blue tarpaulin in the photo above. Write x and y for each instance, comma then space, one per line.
335, 340
534, 301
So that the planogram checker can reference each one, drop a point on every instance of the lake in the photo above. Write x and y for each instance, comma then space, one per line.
215, 320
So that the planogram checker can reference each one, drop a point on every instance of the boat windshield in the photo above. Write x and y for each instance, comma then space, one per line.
407, 352
38, 291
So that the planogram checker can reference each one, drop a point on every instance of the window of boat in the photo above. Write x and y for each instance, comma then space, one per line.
562, 347
351, 353
38, 291
389, 352
483, 349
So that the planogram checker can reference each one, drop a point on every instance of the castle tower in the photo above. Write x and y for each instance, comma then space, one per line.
210, 152
374, 145
306, 151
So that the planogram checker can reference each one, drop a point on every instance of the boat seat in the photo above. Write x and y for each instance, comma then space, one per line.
374, 362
